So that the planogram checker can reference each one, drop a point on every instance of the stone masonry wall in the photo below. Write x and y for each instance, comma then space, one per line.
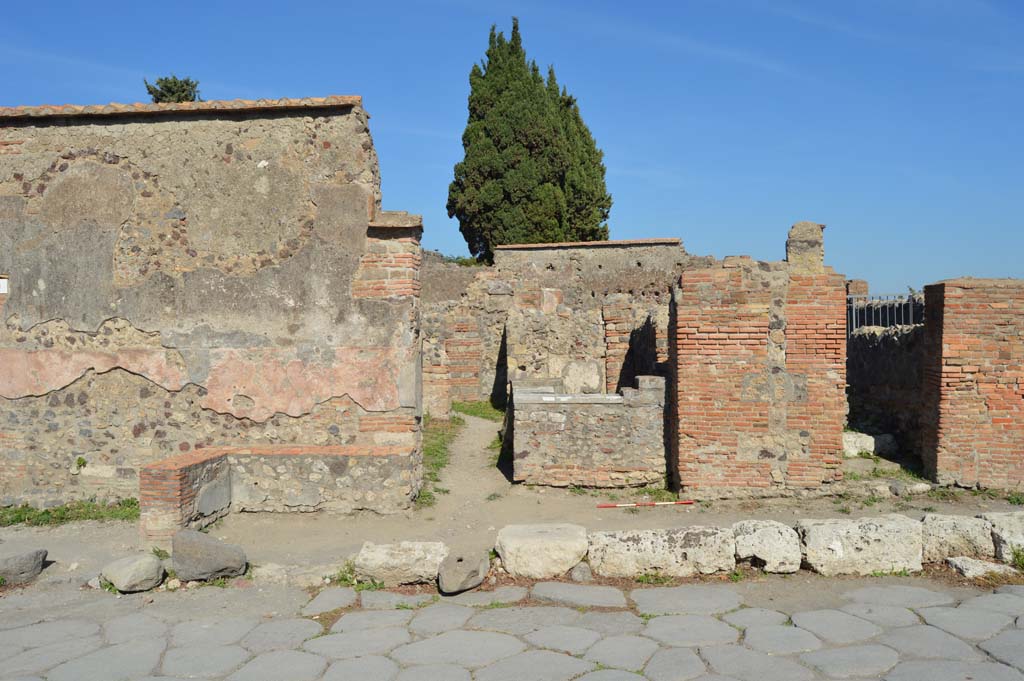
590, 440
884, 369
973, 423
186, 277
591, 316
759, 373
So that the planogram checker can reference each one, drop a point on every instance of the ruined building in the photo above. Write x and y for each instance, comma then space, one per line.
209, 298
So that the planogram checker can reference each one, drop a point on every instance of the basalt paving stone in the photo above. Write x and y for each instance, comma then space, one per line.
440, 617
1006, 603
358, 643
502, 595
40, 659
853, 661
690, 630
280, 634
579, 595
45, 633
969, 623
8, 650
750, 665
386, 600
572, 640
535, 665
282, 665
622, 652
883, 615
947, 670
426, 672
694, 599
1015, 589
369, 668
220, 632
330, 599
926, 641
203, 661
754, 617
610, 622
1007, 647
463, 648
779, 639
898, 595
355, 621
132, 627
836, 626
675, 664
519, 621
123, 662
611, 675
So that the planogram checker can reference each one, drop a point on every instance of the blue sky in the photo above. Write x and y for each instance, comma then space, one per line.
898, 123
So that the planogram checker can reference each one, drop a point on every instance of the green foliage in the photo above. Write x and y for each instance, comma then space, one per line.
160, 553
125, 509
438, 436
462, 261
80, 462
172, 89
655, 493
737, 576
1017, 561
3, 581
532, 172
347, 577
108, 587
1016, 498
493, 496
652, 578
482, 410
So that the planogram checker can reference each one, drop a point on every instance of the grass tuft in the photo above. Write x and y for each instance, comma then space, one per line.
125, 509
1016, 498
438, 436
483, 410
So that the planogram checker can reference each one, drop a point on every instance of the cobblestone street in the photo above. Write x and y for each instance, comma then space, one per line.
553, 632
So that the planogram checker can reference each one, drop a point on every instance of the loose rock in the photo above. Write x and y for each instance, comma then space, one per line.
134, 573
541, 551
972, 568
198, 556
581, 573
954, 535
407, 562
1007, 533
461, 572
22, 568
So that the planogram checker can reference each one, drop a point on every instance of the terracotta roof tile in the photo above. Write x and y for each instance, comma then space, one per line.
332, 101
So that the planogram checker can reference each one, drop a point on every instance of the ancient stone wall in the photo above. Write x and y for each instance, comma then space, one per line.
973, 421
759, 373
590, 440
184, 277
591, 316
884, 370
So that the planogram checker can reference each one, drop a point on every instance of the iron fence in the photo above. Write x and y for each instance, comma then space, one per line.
883, 310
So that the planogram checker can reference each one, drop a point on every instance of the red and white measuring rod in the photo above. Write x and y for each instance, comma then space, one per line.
687, 502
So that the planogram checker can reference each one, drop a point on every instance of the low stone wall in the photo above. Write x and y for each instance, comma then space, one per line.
590, 440
194, 490
884, 370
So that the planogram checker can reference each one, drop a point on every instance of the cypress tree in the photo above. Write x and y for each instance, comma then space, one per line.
532, 172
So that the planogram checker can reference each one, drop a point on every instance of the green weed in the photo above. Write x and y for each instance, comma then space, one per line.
125, 509
483, 410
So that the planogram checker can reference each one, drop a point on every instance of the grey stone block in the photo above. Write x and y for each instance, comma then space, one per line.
330, 599
836, 626
537, 665
882, 615
219, 632
464, 648
928, 642
572, 640
696, 599
610, 622
862, 546
281, 665
428, 672
387, 600
363, 669
356, 621
754, 617
853, 661
750, 665
38, 660
579, 595
778, 639
1007, 647
690, 630
948, 670
678, 552
44, 633
622, 652
768, 544
203, 661
461, 572
541, 551
502, 595
519, 621
955, 535
198, 556
131, 627
973, 624
123, 662
356, 643
1006, 603
22, 568
280, 634
898, 595
440, 617
675, 664
972, 568
134, 573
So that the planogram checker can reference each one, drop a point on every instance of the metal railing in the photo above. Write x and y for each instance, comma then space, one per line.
883, 310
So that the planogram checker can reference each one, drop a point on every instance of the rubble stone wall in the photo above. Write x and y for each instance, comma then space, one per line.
185, 277
590, 440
